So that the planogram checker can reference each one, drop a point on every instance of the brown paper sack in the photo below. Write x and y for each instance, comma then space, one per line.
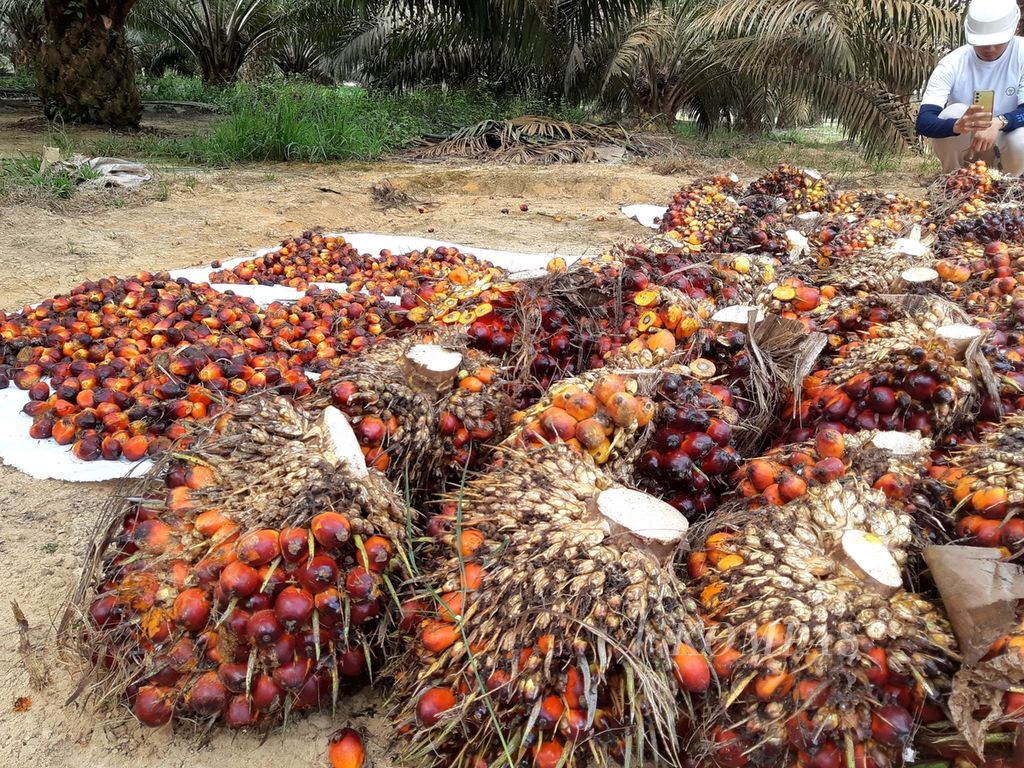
980, 591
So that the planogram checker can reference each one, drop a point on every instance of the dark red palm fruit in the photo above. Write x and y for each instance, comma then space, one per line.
266, 694
881, 400
258, 601
352, 662
696, 444
281, 652
292, 675
330, 607
318, 574
360, 584
105, 611
153, 705
360, 613
294, 544
240, 712
378, 553
258, 547
239, 580
313, 690
192, 609
233, 676
331, 529
892, 725
272, 580
433, 704
208, 695
263, 628
293, 606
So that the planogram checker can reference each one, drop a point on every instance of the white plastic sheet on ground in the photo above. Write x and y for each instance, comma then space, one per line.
644, 214
44, 459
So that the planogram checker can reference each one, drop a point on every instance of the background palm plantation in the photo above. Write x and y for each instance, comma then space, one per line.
751, 64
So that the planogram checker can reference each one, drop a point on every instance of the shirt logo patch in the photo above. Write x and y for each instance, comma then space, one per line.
1010, 91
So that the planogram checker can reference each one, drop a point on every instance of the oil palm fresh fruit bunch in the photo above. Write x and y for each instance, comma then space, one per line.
899, 464
700, 212
883, 205
213, 598
802, 189
554, 630
391, 394
906, 380
117, 367
560, 323
690, 455
987, 282
966, 192
1002, 225
823, 657
299, 261
601, 413
474, 418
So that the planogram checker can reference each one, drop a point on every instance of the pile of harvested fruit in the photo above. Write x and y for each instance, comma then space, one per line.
673, 504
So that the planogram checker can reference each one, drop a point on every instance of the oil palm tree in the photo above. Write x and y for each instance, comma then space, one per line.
85, 70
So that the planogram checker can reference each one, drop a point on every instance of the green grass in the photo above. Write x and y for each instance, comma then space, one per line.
295, 121
22, 179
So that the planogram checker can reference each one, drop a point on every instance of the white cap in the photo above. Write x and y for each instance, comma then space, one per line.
991, 22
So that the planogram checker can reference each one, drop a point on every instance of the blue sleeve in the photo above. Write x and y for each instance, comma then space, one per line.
1014, 120
934, 127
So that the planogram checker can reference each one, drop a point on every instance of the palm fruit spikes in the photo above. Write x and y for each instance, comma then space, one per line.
216, 599
824, 658
986, 482
555, 630
602, 413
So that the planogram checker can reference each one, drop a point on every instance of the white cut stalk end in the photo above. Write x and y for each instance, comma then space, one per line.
433, 365
959, 336
899, 443
737, 314
523, 275
867, 555
812, 173
655, 525
919, 275
911, 247
343, 442
798, 244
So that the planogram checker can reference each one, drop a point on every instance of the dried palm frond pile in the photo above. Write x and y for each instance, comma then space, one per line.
534, 139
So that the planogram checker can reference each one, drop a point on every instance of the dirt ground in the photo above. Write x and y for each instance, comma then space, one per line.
191, 217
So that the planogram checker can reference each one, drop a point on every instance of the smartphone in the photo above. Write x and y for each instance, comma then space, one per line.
985, 99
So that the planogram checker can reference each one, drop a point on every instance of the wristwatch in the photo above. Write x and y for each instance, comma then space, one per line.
1004, 121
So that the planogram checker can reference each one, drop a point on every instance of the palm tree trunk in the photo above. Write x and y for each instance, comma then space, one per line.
85, 68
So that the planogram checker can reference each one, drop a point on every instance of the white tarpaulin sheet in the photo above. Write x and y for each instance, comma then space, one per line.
44, 459
644, 214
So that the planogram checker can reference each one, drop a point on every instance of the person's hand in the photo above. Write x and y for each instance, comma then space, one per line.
975, 118
985, 138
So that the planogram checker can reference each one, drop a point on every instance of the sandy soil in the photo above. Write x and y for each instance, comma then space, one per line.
191, 217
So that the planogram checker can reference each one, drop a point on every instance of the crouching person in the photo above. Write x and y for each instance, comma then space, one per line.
992, 60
